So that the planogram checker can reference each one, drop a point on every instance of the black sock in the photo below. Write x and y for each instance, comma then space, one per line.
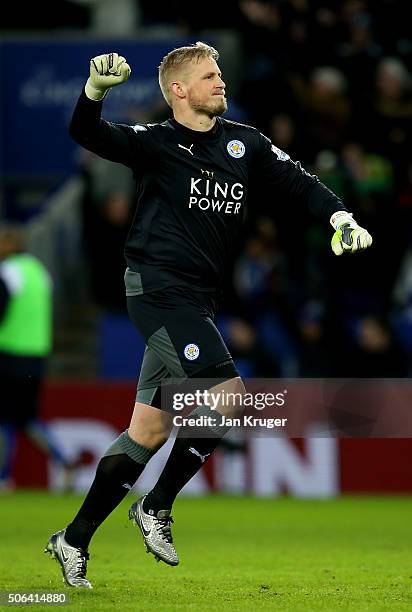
185, 460
181, 466
115, 475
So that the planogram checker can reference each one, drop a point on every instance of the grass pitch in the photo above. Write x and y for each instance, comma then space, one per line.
237, 554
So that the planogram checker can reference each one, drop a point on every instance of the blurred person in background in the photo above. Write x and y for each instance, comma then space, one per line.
260, 29
401, 315
370, 173
241, 340
107, 213
25, 342
316, 342
263, 285
283, 131
326, 108
373, 350
357, 50
374, 192
390, 117
192, 173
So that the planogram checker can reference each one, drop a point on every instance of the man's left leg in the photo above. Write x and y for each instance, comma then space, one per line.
180, 331
189, 453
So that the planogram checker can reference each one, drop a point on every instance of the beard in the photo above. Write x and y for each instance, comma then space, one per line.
214, 107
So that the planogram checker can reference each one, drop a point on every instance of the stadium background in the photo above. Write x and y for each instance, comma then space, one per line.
330, 83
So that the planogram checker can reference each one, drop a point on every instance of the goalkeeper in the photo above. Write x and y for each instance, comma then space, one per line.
192, 174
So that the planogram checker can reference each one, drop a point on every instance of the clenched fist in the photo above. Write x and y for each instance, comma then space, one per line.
349, 237
106, 71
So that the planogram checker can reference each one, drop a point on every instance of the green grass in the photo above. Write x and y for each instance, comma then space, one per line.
237, 554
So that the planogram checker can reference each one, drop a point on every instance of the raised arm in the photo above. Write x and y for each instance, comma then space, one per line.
113, 141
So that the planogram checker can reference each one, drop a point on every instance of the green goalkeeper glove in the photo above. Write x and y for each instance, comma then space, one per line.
348, 236
106, 71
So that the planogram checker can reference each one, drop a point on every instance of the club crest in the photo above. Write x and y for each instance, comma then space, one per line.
236, 148
191, 351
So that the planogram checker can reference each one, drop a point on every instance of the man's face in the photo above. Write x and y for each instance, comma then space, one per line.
205, 88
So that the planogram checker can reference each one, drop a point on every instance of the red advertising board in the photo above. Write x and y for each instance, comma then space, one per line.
87, 416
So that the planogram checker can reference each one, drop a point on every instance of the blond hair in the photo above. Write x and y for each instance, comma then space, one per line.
180, 57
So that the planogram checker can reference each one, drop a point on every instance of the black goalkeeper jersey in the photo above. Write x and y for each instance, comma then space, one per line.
192, 192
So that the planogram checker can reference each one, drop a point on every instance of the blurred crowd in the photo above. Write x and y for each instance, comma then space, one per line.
330, 83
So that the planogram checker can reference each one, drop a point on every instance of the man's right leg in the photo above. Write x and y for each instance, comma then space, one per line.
116, 473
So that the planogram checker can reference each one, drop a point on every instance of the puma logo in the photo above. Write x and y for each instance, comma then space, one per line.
187, 148
201, 457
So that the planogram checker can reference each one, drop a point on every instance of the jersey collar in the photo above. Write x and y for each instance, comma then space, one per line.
195, 135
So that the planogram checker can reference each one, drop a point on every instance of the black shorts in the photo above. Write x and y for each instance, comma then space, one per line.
182, 340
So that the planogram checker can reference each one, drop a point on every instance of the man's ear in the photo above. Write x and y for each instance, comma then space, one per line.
179, 89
